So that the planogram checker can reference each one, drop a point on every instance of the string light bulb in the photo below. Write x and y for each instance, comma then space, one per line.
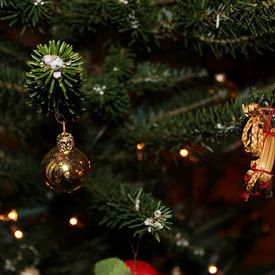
212, 269
73, 221
184, 152
221, 78
140, 146
12, 215
18, 234
176, 271
211, 91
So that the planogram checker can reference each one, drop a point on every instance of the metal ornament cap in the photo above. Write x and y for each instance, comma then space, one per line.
65, 142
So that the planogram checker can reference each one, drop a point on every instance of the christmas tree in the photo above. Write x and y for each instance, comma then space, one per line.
155, 94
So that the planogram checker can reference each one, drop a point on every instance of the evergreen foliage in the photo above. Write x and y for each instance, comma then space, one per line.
107, 96
29, 13
53, 81
132, 71
223, 27
208, 125
123, 206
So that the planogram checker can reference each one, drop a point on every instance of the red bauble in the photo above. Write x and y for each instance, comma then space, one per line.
142, 268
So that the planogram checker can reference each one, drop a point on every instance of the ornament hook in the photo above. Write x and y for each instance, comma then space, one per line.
62, 120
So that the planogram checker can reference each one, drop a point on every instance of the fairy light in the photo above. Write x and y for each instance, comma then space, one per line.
18, 234
220, 77
73, 221
176, 271
140, 146
12, 215
211, 91
184, 152
212, 269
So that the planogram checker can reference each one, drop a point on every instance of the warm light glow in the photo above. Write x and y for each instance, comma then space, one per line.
265, 228
140, 146
73, 221
65, 167
176, 271
212, 269
220, 77
184, 152
18, 234
12, 215
211, 91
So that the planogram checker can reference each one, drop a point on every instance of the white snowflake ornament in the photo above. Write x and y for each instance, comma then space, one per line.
57, 74
148, 222
54, 62
157, 213
57, 63
137, 204
38, 2
47, 59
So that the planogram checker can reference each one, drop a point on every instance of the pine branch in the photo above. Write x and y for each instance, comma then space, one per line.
106, 97
13, 104
19, 172
163, 2
225, 41
27, 13
228, 26
123, 206
5, 50
16, 118
119, 63
11, 86
108, 94
223, 27
11, 78
53, 82
207, 125
217, 97
80, 17
157, 77
253, 22
182, 240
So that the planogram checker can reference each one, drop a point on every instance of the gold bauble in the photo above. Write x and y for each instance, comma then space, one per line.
65, 168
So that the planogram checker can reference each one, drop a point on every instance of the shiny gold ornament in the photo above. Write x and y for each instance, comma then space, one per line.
65, 168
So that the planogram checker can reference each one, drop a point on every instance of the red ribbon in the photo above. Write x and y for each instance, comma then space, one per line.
269, 123
264, 185
253, 168
245, 196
